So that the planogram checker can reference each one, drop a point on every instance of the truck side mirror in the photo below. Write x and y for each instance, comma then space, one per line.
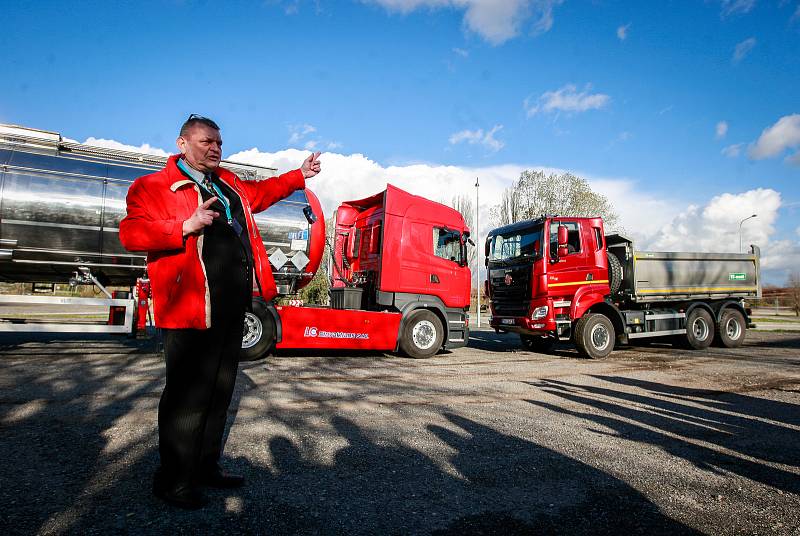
563, 237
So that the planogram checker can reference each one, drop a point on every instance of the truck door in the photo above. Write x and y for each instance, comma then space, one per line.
572, 268
444, 265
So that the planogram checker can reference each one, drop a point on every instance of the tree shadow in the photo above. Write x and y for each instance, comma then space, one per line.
81, 434
716, 431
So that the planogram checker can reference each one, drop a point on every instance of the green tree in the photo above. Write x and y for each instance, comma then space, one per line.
316, 291
536, 193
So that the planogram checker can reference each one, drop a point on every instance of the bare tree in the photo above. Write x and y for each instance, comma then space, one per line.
793, 292
537, 193
463, 204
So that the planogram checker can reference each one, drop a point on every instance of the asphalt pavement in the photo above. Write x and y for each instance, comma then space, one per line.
488, 439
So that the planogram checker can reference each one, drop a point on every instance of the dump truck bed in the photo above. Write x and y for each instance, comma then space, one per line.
656, 276
669, 276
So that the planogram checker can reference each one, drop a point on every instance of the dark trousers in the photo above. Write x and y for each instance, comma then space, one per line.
201, 374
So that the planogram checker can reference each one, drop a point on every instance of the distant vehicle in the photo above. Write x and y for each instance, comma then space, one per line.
561, 278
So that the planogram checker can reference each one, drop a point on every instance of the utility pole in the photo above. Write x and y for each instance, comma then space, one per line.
478, 247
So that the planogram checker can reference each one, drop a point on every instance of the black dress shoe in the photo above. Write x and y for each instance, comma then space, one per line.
183, 496
217, 478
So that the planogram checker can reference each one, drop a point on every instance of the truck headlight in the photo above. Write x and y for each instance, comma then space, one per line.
539, 312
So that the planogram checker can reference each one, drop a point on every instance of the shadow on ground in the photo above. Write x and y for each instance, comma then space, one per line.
718, 431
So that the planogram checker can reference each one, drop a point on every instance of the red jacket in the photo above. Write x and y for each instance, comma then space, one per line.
158, 204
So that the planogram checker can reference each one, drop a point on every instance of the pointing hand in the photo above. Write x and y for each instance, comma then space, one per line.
311, 166
202, 217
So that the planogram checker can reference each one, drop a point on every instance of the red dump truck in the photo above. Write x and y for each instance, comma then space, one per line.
562, 279
400, 282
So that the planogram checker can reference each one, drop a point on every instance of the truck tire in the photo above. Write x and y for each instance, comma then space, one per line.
731, 329
594, 336
614, 272
699, 330
536, 343
258, 334
422, 335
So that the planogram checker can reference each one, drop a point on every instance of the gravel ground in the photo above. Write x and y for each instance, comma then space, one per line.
488, 439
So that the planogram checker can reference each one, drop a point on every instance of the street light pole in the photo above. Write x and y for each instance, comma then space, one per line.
478, 247
740, 230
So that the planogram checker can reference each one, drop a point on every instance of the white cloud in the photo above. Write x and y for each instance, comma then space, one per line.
774, 140
743, 49
480, 137
733, 7
715, 226
733, 151
111, 144
566, 99
461, 52
622, 32
355, 176
722, 129
496, 21
652, 220
298, 132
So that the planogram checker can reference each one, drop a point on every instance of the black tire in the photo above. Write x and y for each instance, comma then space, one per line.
258, 334
614, 272
594, 336
537, 343
699, 330
731, 329
422, 335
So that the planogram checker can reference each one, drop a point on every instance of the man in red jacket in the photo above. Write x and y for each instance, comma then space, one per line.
204, 256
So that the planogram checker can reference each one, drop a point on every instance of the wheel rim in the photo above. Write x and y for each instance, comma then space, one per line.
600, 337
733, 329
253, 329
424, 334
700, 329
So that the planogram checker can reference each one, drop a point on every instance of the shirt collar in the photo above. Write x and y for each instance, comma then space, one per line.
184, 166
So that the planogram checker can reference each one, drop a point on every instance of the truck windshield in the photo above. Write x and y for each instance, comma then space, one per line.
522, 243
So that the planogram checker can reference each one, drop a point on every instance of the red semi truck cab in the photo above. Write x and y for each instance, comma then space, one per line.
400, 281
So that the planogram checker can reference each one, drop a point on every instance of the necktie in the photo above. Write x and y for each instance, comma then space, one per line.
207, 182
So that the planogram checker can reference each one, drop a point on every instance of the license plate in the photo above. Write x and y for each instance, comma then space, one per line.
507, 321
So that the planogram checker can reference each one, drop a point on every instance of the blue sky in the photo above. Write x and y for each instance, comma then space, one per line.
684, 113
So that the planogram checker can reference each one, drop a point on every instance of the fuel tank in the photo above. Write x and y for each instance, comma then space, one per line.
61, 204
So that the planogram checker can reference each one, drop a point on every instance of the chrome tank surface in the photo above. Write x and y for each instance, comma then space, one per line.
61, 204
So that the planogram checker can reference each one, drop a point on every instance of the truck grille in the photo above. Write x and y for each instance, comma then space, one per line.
513, 299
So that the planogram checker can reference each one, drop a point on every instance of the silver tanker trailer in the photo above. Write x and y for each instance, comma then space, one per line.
60, 207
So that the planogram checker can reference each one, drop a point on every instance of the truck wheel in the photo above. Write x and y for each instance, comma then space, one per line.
699, 330
594, 336
422, 335
614, 272
536, 343
259, 333
731, 329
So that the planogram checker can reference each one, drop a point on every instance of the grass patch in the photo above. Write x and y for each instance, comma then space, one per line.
778, 319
